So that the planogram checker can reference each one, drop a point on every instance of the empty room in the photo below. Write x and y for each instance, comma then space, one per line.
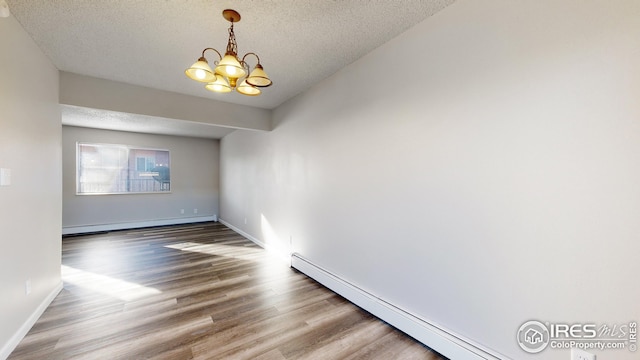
419, 179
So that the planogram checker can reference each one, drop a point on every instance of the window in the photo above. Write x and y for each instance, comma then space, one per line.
144, 163
121, 169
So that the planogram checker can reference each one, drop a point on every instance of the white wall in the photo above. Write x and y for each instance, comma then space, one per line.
30, 208
494, 180
96, 93
194, 184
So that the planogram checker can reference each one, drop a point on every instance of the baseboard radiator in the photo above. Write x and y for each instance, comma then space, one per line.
445, 342
84, 229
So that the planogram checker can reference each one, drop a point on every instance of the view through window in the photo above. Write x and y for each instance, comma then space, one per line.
121, 169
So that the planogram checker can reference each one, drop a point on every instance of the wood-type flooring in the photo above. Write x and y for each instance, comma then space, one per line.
199, 291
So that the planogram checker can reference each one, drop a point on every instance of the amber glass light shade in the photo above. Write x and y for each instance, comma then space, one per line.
258, 77
230, 67
201, 71
220, 85
246, 89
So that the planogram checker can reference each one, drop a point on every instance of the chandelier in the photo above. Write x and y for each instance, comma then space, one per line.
230, 72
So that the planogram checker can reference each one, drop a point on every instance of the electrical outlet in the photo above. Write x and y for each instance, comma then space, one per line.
27, 287
577, 354
245, 220
195, 211
181, 211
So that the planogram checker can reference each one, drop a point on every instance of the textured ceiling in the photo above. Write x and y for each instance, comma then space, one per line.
150, 42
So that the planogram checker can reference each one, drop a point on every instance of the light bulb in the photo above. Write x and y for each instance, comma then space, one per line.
230, 70
200, 74
217, 87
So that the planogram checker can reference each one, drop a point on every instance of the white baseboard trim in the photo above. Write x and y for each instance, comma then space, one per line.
242, 232
276, 251
28, 324
436, 337
81, 229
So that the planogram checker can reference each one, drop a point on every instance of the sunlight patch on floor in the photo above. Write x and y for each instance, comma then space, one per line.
237, 252
123, 290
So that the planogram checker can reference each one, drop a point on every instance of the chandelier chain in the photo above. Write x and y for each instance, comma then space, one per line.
232, 46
